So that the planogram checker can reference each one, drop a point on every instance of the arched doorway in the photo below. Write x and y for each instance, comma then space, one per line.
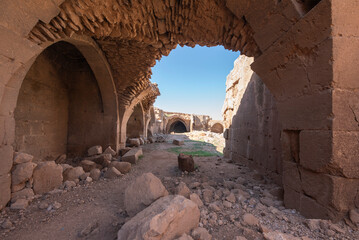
217, 128
178, 127
67, 113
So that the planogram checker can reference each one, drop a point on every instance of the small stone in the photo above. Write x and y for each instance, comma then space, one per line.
95, 174
20, 204
112, 173
69, 184
214, 207
227, 204
43, 205
72, 174
95, 150
183, 190
195, 198
184, 237
109, 150
56, 205
84, 176
22, 158
7, 224
194, 185
231, 198
88, 165
88, 179
354, 216
178, 142
240, 238
22, 172
201, 233
26, 193
134, 142
250, 219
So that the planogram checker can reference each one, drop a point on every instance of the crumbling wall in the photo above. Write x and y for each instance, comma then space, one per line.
135, 123
251, 115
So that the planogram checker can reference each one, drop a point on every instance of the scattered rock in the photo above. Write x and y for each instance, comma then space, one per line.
88, 165
109, 150
143, 191
20, 204
95, 150
231, 198
112, 173
69, 184
184, 237
134, 142
354, 216
43, 205
185, 162
276, 235
104, 159
47, 176
65, 166
22, 158
132, 155
207, 195
84, 176
26, 193
123, 151
240, 238
195, 198
61, 159
22, 172
178, 142
166, 218
7, 224
183, 190
56, 205
95, 174
72, 174
201, 233
123, 167
91, 228
250, 219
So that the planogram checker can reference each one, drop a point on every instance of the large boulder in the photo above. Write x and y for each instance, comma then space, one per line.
47, 176
123, 167
22, 172
71, 174
185, 162
143, 191
167, 218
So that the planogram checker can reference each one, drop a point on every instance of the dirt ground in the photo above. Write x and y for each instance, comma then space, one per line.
95, 210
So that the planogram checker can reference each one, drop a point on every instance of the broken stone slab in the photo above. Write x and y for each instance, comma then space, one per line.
123, 167
112, 173
143, 191
109, 150
123, 151
185, 162
104, 159
22, 172
71, 174
61, 159
95, 150
22, 158
47, 176
178, 142
134, 142
167, 218
132, 155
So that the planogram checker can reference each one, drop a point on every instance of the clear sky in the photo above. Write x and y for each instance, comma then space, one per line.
193, 80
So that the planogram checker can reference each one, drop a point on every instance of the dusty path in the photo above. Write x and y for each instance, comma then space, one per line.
97, 207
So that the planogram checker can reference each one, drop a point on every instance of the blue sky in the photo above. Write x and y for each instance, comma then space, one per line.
193, 80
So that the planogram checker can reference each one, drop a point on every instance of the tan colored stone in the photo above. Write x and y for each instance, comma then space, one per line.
71, 174
47, 176
22, 172
123, 167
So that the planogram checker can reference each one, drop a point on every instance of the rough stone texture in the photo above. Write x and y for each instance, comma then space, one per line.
47, 176
167, 218
5, 190
251, 115
112, 173
143, 191
132, 155
183, 190
72, 174
26, 193
88, 165
109, 150
134, 142
185, 162
95, 174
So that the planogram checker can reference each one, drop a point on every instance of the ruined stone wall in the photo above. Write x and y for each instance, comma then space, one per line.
135, 124
41, 115
251, 115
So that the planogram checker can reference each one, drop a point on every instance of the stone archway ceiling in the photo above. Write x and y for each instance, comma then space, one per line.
135, 33
150, 98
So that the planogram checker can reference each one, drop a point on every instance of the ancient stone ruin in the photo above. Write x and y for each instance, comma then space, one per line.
75, 95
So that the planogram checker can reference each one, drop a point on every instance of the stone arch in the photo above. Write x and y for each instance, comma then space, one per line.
217, 127
136, 123
177, 120
62, 118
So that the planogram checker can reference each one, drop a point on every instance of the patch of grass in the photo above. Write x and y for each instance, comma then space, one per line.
140, 157
198, 153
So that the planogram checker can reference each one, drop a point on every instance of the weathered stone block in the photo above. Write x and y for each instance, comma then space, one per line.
47, 176
5, 189
132, 155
